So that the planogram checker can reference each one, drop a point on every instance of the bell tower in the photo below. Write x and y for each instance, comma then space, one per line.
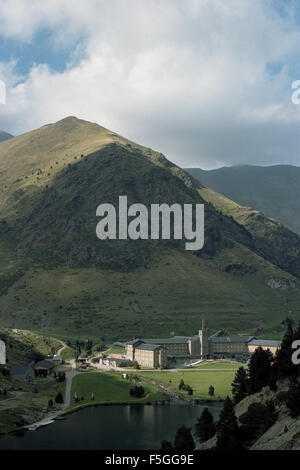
203, 338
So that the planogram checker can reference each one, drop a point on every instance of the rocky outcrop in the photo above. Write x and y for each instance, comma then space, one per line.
285, 432
283, 435
283, 284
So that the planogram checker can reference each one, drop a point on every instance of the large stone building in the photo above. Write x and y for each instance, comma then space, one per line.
160, 352
229, 346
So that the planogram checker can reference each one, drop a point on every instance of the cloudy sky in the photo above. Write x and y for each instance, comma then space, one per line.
206, 82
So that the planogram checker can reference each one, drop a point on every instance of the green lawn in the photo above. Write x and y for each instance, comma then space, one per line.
109, 388
220, 364
219, 375
114, 350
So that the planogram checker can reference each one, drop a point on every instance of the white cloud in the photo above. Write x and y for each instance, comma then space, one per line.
187, 78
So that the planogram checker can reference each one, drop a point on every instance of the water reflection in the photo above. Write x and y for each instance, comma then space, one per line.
118, 427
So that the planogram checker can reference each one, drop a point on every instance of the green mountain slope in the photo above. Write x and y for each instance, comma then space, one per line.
272, 190
57, 277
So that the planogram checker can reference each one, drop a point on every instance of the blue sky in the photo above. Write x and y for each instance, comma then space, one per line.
208, 84
41, 50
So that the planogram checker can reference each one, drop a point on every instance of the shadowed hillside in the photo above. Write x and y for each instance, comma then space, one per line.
5, 136
272, 190
58, 277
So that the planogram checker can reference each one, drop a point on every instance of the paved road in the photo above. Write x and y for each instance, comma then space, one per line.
70, 374
69, 378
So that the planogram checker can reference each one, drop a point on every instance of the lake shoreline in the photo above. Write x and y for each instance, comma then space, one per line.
168, 402
67, 433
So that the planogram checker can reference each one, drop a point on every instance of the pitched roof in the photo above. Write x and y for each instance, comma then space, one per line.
230, 339
265, 342
174, 340
134, 341
44, 364
148, 347
19, 369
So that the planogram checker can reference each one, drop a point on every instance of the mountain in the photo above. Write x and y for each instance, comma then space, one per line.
272, 190
57, 277
5, 136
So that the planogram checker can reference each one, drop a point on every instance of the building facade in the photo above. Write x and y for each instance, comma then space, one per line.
273, 346
156, 352
229, 346
159, 352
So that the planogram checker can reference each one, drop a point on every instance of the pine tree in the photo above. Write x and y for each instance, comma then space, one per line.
240, 385
181, 384
228, 429
283, 366
184, 440
205, 427
260, 368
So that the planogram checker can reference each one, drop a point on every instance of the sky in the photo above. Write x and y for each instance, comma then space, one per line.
206, 82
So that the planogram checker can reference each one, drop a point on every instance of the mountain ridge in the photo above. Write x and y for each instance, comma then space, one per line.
57, 277
273, 190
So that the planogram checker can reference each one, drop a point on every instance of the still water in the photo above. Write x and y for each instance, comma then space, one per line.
118, 427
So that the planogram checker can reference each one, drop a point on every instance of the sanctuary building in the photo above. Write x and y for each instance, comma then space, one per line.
161, 352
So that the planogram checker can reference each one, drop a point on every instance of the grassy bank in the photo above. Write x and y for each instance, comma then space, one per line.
109, 387
219, 374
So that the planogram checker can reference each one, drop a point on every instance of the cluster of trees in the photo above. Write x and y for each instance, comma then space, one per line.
231, 436
265, 369
187, 388
255, 422
137, 391
81, 346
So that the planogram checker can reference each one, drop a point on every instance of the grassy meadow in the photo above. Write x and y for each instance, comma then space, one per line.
219, 374
109, 387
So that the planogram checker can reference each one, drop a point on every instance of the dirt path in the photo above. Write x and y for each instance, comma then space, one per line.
63, 346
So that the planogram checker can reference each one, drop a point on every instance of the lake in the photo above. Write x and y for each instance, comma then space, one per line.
117, 427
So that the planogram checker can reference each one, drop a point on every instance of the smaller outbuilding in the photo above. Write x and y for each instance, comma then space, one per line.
43, 367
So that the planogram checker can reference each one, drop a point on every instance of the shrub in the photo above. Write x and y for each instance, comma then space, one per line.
293, 399
137, 391
59, 398
257, 419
